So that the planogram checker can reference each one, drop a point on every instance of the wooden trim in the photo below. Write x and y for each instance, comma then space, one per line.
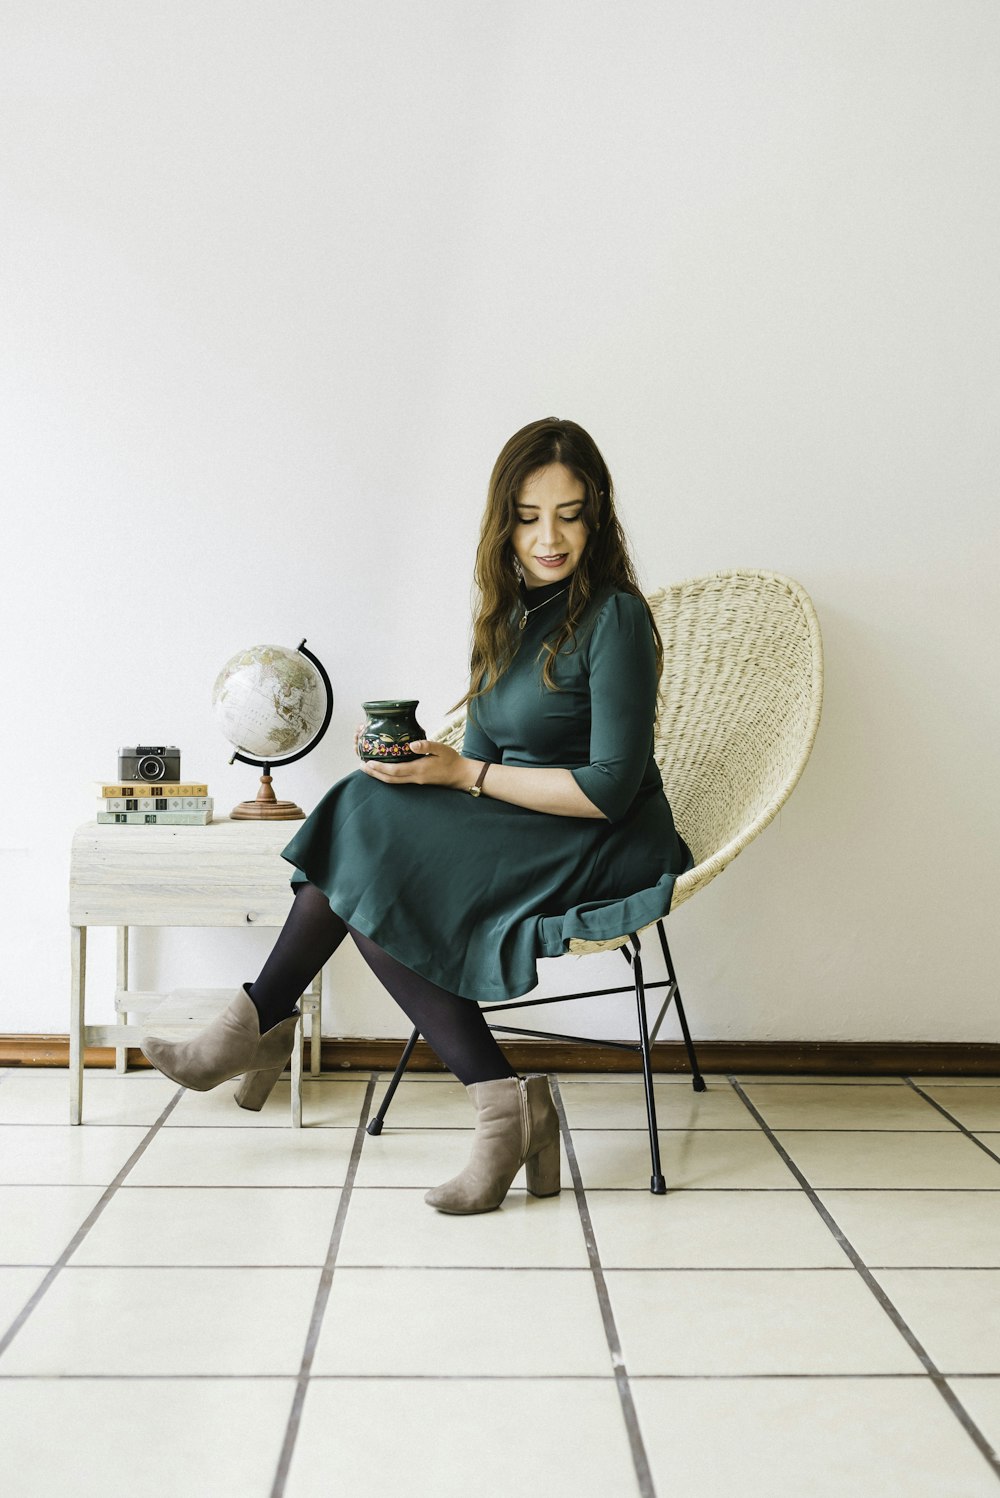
819, 1057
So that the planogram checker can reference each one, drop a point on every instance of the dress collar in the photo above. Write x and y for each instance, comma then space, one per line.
545, 605
532, 597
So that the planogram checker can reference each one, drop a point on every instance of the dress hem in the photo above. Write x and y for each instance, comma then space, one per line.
607, 931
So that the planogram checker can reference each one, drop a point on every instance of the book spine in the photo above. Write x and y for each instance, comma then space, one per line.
147, 818
153, 788
158, 803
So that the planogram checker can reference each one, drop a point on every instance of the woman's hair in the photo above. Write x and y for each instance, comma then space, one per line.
605, 560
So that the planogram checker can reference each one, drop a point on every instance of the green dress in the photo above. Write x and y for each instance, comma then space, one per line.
471, 891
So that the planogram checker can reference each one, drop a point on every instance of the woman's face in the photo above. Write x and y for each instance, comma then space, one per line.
549, 526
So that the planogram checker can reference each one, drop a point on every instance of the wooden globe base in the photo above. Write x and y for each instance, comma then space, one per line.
266, 808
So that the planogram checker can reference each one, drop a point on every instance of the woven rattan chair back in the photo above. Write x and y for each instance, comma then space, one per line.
741, 695
742, 691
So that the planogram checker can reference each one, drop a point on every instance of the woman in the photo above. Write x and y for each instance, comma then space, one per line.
451, 897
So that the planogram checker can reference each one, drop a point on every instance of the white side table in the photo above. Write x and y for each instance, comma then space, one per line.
226, 874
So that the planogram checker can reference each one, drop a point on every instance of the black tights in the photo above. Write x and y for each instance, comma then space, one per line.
455, 1027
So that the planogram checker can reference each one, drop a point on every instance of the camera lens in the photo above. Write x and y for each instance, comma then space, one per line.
150, 768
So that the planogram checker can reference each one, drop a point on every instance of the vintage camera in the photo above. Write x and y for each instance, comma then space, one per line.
150, 762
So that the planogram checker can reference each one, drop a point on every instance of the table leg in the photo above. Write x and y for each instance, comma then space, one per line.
316, 1028
121, 983
77, 994
297, 1076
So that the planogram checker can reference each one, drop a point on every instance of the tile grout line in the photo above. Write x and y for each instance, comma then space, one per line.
88, 1222
640, 1460
952, 1119
937, 1378
482, 1378
535, 1269
424, 1269
322, 1297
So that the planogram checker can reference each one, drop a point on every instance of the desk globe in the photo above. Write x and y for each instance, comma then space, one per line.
276, 704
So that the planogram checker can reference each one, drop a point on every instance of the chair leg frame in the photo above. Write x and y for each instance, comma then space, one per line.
646, 1038
657, 1184
375, 1126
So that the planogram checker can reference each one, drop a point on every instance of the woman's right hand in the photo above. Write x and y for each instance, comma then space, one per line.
357, 734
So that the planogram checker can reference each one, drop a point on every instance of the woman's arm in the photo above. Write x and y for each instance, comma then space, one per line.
541, 789
623, 690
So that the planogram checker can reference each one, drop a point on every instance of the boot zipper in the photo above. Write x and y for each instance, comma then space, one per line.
525, 1119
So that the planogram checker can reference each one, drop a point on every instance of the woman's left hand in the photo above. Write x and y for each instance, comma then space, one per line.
438, 765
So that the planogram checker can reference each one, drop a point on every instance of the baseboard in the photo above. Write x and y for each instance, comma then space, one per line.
808, 1057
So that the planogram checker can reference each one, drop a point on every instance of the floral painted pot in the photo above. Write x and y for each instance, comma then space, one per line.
388, 730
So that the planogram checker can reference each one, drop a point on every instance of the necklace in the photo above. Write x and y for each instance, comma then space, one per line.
527, 611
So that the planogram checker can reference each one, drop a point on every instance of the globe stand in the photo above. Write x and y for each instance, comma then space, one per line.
266, 807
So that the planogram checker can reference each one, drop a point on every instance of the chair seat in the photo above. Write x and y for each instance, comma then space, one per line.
580, 948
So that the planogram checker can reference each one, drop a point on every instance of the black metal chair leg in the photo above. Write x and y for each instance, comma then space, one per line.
697, 1080
375, 1126
657, 1184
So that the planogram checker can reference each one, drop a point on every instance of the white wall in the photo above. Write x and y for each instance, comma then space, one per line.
280, 281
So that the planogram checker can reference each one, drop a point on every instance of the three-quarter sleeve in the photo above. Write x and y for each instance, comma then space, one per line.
623, 685
477, 744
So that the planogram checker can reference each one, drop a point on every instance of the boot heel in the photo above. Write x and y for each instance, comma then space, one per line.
542, 1171
255, 1089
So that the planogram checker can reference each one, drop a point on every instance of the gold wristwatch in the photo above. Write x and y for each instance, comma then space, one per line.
477, 789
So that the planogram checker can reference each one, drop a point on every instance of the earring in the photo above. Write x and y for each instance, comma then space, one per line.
519, 570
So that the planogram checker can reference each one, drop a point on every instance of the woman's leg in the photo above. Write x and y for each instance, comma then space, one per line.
516, 1120
227, 1045
311, 934
454, 1027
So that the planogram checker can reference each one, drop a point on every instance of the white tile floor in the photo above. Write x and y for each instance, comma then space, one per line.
196, 1300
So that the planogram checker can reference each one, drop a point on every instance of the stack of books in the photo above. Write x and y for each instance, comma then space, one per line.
146, 801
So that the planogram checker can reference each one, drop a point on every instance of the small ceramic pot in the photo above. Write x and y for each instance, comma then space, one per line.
389, 728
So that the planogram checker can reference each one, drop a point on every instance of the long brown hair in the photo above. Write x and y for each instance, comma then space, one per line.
605, 561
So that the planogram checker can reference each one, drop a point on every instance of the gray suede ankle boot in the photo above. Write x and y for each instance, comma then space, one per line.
517, 1124
231, 1046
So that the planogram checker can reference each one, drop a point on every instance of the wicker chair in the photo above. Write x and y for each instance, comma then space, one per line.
741, 695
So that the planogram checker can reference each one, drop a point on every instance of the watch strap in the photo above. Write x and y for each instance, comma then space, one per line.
477, 789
